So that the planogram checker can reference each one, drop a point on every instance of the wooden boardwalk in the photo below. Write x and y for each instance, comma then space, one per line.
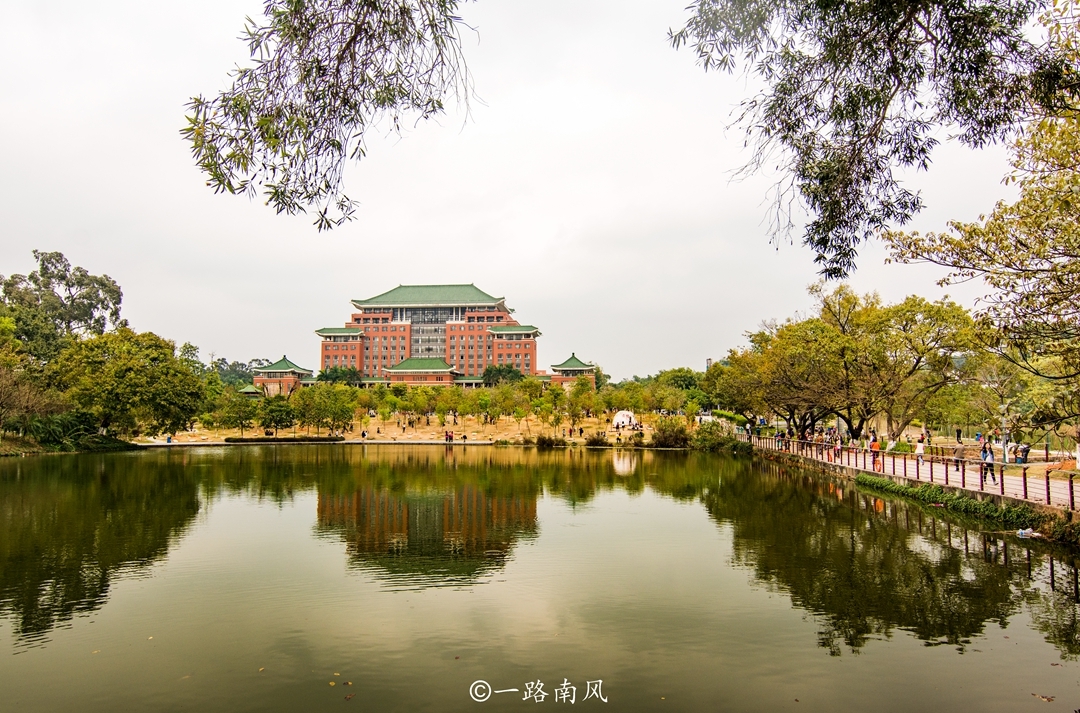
1055, 489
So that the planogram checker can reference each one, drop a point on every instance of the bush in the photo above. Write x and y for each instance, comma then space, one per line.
528, 441
543, 441
733, 417
670, 433
501, 442
597, 440
711, 436
1018, 516
714, 437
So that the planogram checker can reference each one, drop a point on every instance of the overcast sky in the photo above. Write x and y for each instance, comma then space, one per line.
591, 185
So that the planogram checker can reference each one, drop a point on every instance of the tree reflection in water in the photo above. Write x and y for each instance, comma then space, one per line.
862, 565
866, 566
69, 525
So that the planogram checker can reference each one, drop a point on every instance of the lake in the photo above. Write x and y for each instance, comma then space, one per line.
424, 578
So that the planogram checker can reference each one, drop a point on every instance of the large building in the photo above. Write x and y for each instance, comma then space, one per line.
430, 334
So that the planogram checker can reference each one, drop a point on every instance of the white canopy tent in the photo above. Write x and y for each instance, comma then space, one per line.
623, 419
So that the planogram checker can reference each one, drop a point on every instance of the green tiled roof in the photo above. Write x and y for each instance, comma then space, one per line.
424, 295
420, 364
283, 364
250, 389
470, 379
573, 363
333, 331
513, 329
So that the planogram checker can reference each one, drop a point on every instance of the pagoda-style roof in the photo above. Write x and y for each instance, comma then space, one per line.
338, 331
251, 389
514, 329
468, 379
421, 365
429, 296
283, 364
573, 364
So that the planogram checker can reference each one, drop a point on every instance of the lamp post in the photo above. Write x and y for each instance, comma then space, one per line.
1004, 434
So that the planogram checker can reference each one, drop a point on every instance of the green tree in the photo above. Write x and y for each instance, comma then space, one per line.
236, 410
1027, 253
341, 375
854, 89
502, 373
321, 74
307, 409
130, 382
336, 405
277, 413
57, 304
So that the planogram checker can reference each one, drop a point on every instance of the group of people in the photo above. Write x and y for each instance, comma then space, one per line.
448, 437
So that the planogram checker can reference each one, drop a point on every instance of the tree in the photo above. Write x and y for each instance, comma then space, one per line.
322, 73
236, 410
681, 378
855, 88
852, 89
276, 413
236, 373
130, 382
738, 385
20, 399
306, 407
336, 404
800, 364
58, 303
341, 375
500, 374
1027, 253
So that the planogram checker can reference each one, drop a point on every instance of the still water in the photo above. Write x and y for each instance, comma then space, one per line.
250, 579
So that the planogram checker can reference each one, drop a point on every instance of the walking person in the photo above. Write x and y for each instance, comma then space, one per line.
988, 463
875, 451
958, 454
920, 449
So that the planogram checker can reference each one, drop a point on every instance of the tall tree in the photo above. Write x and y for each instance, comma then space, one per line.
855, 88
1027, 253
323, 73
57, 303
130, 382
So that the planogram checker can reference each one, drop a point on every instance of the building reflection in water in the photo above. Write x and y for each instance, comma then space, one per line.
428, 539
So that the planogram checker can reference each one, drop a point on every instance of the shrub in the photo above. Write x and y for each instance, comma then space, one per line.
502, 442
528, 441
729, 416
597, 440
715, 437
670, 433
1019, 516
543, 441
711, 436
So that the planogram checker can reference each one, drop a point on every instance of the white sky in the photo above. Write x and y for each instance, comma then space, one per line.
591, 187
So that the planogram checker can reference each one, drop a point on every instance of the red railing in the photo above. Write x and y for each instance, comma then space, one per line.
1012, 480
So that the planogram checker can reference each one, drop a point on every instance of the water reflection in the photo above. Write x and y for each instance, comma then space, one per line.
863, 566
428, 538
867, 565
69, 525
